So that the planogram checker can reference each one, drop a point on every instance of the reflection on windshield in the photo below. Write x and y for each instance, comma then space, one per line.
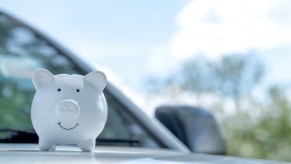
21, 52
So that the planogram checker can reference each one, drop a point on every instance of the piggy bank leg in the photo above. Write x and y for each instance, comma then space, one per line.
45, 144
87, 145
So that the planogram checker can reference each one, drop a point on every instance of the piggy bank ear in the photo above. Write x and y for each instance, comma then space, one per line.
97, 79
41, 77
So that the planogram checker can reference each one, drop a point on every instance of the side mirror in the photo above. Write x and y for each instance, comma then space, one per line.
195, 127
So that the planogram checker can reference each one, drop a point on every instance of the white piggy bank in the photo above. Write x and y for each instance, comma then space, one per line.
68, 109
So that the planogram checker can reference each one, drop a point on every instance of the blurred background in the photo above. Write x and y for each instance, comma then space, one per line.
229, 56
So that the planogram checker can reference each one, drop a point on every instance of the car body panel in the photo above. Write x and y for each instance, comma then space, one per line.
29, 153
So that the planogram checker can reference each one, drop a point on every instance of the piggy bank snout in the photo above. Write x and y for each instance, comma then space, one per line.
68, 109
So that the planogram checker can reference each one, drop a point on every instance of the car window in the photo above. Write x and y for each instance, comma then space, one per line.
21, 52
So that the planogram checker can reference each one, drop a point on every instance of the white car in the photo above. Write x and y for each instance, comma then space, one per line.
130, 136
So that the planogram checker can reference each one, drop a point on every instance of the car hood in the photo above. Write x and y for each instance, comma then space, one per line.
26, 153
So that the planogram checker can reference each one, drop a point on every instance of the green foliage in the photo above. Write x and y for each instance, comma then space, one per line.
258, 128
14, 109
269, 136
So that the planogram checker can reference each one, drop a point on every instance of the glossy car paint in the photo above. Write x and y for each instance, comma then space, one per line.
27, 154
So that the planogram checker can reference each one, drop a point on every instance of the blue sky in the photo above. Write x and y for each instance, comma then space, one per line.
135, 39
119, 35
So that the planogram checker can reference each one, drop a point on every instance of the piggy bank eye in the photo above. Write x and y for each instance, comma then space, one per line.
78, 90
59, 89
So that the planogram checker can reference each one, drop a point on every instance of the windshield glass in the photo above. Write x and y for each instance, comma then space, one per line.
22, 52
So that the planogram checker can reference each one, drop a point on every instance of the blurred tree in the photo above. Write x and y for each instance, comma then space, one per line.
258, 128
233, 76
237, 75
268, 135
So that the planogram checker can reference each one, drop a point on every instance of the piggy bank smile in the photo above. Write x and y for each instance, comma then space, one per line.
68, 109
68, 128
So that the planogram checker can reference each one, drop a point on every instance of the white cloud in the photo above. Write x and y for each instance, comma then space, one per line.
160, 62
214, 28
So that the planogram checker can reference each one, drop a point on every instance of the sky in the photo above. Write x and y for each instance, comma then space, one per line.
138, 39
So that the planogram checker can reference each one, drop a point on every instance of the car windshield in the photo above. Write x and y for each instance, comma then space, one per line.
21, 52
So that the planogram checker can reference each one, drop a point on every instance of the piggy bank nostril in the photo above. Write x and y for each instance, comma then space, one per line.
68, 109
